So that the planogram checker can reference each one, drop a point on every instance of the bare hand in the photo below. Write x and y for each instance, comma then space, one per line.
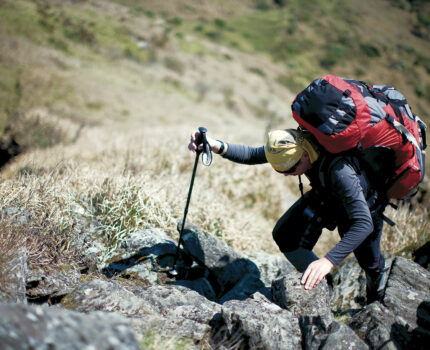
315, 272
197, 144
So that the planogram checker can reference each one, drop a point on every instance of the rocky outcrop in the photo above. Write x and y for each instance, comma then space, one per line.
220, 300
173, 309
403, 322
41, 327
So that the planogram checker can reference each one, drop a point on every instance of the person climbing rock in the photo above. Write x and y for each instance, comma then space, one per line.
341, 196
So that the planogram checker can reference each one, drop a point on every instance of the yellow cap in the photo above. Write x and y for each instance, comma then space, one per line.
284, 148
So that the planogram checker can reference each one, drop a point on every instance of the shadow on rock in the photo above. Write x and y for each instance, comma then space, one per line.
419, 337
155, 255
233, 276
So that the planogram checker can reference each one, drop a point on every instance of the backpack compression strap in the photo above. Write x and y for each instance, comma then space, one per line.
403, 131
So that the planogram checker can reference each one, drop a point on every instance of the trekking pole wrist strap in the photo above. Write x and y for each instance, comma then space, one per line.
221, 149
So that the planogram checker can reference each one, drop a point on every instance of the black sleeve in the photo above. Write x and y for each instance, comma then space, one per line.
346, 187
245, 154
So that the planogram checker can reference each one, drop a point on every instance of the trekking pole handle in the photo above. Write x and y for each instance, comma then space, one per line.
207, 152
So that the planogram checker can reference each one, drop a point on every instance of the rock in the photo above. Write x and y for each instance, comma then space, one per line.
184, 312
40, 327
48, 287
381, 328
264, 294
162, 298
200, 285
248, 285
165, 308
408, 294
257, 325
271, 266
290, 294
188, 321
325, 333
16, 215
224, 263
148, 253
106, 296
13, 286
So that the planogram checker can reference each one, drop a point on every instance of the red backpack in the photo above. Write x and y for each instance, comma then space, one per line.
346, 115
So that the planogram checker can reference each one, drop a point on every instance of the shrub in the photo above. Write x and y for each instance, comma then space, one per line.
174, 64
221, 24
334, 53
176, 21
370, 50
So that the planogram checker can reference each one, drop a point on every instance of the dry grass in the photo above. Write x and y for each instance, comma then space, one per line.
42, 222
155, 341
410, 232
130, 184
129, 168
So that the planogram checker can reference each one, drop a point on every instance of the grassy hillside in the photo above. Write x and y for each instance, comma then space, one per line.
99, 98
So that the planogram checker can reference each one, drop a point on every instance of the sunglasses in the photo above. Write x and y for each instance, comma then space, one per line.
292, 169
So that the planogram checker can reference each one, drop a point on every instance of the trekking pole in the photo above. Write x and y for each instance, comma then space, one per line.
206, 160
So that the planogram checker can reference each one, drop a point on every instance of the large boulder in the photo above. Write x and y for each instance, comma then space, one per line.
254, 324
408, 294
223, 262
290, 294
25, 327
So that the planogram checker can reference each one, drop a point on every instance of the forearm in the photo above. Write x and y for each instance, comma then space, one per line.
245, 154
238, 153
355, 235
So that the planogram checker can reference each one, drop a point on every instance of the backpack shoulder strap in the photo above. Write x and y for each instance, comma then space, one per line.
330, 160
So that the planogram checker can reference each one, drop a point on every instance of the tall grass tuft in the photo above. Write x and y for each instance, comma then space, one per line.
410, 232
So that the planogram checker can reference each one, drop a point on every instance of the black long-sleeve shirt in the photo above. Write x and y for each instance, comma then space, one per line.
347, 189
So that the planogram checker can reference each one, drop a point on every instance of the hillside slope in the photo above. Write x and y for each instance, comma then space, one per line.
99, 99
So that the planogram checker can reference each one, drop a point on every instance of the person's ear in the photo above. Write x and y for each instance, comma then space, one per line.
306, 156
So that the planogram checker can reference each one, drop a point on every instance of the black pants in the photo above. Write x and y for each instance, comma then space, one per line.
299, 229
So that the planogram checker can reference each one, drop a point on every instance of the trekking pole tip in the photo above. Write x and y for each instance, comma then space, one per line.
173, 272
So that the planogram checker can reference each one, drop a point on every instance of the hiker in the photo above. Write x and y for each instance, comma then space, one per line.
346, 200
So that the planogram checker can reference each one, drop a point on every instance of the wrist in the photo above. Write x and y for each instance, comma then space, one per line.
221, 147
327, 260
